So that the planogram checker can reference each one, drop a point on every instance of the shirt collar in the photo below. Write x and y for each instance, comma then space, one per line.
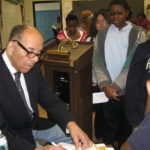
8, 63
125, 28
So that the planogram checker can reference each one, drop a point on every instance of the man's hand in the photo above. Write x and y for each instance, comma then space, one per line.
79, 137
147, 108
148, 88
50, 147
110, 92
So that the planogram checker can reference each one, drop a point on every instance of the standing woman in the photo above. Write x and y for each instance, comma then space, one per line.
100, 21
72, 31
114, 48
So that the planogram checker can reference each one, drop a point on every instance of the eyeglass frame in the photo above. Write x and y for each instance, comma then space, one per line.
115, 13
100, 21
40, 55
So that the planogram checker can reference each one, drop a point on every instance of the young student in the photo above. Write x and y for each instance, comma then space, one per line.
72, 31
99, 21
113, 51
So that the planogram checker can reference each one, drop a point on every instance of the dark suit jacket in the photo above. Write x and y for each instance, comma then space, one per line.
14, 119
136, 95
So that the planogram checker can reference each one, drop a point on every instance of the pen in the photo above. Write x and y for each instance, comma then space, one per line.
53, 143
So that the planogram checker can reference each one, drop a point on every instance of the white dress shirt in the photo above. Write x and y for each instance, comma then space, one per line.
116, 47
22, 79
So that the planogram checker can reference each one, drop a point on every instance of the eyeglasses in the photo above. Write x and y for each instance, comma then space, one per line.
29, 53
101, 21
115, 13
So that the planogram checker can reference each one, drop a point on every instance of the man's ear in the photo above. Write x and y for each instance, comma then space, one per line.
10, 47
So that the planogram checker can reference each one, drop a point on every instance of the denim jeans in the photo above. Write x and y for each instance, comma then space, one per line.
53, 134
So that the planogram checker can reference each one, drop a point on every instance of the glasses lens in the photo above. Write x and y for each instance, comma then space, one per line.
31, 55
119, 13
115, 13
100, 21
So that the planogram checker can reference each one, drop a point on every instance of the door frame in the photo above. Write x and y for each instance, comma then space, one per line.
34, 3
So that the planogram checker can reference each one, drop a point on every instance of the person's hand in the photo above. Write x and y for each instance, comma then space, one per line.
94, 83
79, 137
147, 108
50, 147
110, 92
148, 88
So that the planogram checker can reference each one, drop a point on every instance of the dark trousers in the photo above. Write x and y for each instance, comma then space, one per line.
110, 122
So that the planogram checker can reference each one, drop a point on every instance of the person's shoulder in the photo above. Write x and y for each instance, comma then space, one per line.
61, 36
145, 44
136, 27
148, 41
61, 32
102, 32
142, 50
104, 29
82, 31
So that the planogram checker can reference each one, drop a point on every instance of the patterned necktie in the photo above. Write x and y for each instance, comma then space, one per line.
21, 92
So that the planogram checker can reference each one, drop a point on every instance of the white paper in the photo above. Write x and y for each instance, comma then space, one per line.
99, 97
72, 147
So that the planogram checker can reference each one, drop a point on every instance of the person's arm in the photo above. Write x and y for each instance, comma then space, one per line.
102, 75
135, 84
126, 146
120, 82
139, 139
16, 143
79, 137
147, 109
50, 147
99, 66
57, 110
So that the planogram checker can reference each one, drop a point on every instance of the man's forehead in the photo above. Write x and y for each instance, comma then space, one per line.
32, 35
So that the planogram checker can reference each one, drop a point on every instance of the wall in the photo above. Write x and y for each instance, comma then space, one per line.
11, 16
29, 11
103, 4
147, 12
45, 16
66, 7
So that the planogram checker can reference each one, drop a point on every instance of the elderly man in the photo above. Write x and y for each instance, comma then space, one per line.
22, 87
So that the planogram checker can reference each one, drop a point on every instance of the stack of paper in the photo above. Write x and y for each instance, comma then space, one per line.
94, 147
99, 97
